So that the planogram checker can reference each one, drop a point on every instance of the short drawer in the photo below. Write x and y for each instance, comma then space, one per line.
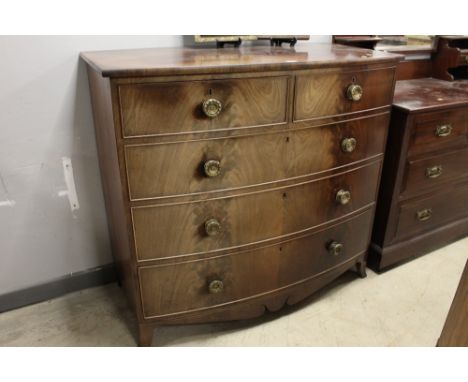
330, 93
181, 168
432, 171
170, 230
438, 130
431, 212
199, 106
202, 284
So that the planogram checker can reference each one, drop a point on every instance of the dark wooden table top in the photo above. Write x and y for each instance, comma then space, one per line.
425, 94
173, 61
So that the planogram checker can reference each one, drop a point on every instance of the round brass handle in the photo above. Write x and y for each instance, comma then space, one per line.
212, 107
443, 130
354, 92
348, 145
335, 248
212, 168
216, 286
212, 227
343, 197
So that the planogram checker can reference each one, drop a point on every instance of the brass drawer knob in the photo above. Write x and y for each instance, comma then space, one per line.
443, 130
354, 92
212, 107
434, 171
212, 227
424, 214
348, 145
216, 286
212, 168
335, 248
343, 197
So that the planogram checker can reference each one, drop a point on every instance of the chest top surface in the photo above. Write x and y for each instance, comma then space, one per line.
174, 61
429, 93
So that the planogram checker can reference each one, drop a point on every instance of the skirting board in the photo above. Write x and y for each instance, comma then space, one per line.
59, 287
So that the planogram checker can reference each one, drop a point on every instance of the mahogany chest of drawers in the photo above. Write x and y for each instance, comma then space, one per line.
423, 199
237, 180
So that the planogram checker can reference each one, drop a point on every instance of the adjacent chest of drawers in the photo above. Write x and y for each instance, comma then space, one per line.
237, 181
423, 200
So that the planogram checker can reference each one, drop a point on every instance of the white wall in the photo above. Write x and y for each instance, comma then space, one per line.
45, 118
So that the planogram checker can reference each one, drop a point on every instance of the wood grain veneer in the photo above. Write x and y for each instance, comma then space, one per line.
452, 166
176, 61
323, 93
176, 107
249, 217
424, 138
182, 287
417, 213
249, 160
279, 140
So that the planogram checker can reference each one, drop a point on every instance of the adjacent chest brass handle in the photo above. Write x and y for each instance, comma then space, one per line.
348, 145
343, 197
335, 248
354, 92
216, 286
434, 171
212, 168
424, 214
212, 107
443, 130
212, 227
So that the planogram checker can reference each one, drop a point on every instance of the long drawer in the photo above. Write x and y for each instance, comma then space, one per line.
428, 172
201, 284
169, 230
439, 130
199, 106
322, 94
431, 212
161, 170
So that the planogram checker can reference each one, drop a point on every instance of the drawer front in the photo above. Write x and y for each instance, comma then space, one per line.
218, 224
433, 171
438, 130
429, 213
162, 170
188, 286
177, 107
322, 94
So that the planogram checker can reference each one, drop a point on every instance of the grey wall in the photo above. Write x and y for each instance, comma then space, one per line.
52, 217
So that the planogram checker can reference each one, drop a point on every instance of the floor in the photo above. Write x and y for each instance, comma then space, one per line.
405, 306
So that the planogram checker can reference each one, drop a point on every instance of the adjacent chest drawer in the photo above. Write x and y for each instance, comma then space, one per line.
161, 170
435, 170
431, 212
200, 106
201, 284
218, 224
438, 130
324, 94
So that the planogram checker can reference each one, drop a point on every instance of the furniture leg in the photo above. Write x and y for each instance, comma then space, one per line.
361, 269
145, 335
